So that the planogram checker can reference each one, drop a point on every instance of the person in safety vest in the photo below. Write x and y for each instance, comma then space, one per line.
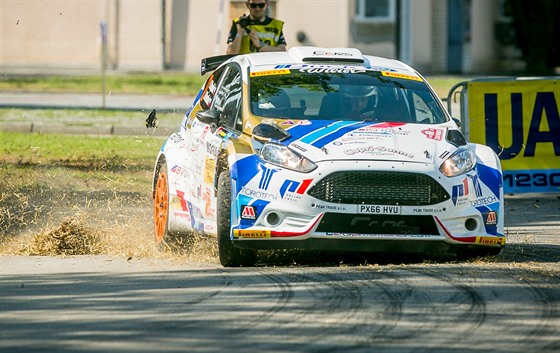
256, 32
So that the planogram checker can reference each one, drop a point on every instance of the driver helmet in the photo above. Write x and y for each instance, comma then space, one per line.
355, 91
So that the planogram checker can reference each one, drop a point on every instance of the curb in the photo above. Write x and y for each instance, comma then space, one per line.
105, 130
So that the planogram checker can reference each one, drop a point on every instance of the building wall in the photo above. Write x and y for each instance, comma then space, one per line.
325, 23
66, 34
139, 35
439, 36
422, 35
50, 33
483, 47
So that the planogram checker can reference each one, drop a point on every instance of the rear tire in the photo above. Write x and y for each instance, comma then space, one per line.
230, 256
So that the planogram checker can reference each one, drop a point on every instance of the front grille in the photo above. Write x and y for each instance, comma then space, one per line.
379, 188
376, 224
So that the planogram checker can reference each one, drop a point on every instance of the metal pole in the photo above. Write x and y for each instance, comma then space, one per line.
163, 36
103, 27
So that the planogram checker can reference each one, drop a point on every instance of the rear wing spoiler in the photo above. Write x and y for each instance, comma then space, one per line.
211, 63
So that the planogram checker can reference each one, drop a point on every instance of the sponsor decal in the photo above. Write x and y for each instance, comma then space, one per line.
248, 212
206, 198
428, 210
329, 207
182, 215
433, 134
460, 190
222, 133
377, 150
490, 240
177, 169
176, 138
298, 147
249, 233
295, 186
296, 122
324, 68
258, 194
344, 70
209, 168
331, 53
266, 177
393, 236
400, 75
270, 72
491, 218
350, 69
380, 68
484, 201
476, 185
204, 132
183, 202
213, 147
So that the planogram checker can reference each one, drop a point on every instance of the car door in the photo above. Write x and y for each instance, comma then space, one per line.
206, 140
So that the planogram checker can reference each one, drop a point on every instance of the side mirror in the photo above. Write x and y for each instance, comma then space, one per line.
209, 116
266, 132
457, 121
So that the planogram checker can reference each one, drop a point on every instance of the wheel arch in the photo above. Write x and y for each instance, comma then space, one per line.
160, 160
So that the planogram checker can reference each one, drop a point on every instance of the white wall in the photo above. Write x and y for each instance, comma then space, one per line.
66, 34
483, 50
50, 33
325, 22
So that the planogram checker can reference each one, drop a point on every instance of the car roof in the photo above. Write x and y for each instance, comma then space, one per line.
325, 56
302, 55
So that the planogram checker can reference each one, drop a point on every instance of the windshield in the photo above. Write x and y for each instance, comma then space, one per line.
343, 95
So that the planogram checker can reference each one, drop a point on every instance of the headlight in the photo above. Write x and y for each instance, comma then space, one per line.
285, 157
459, 163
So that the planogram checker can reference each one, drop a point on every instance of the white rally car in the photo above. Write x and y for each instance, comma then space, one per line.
325, 148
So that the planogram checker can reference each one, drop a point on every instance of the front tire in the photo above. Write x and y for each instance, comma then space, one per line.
230, 256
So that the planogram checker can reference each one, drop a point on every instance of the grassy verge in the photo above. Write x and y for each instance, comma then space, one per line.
73, 195
78, 152
37, 169
171, 83
137, 83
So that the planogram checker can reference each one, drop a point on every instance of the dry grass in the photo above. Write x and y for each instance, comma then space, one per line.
71, 237
62, 212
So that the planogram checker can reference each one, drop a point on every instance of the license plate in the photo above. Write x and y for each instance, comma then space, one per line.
379, 209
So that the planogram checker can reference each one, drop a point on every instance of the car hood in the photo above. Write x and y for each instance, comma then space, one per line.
345, 140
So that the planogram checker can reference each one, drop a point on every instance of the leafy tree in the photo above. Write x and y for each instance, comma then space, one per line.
537, 31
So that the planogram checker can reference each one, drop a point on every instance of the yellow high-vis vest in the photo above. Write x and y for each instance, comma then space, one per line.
268, 33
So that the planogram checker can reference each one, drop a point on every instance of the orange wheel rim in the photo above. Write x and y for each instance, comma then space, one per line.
161, 206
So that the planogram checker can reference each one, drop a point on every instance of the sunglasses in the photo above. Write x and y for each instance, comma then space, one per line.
260, 6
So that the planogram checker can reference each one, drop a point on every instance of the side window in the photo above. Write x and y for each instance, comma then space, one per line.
210, 88
375, 10
228, 97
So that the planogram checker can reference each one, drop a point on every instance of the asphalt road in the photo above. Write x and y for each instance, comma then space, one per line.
510, 303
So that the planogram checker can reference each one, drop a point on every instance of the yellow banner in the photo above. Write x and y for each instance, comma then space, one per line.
520, 120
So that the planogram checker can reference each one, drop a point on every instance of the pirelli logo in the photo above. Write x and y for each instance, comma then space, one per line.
270, 72
490, 240
249, 233
399, 75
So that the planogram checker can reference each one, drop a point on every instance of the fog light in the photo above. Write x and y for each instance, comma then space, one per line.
273, 218
471, 224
